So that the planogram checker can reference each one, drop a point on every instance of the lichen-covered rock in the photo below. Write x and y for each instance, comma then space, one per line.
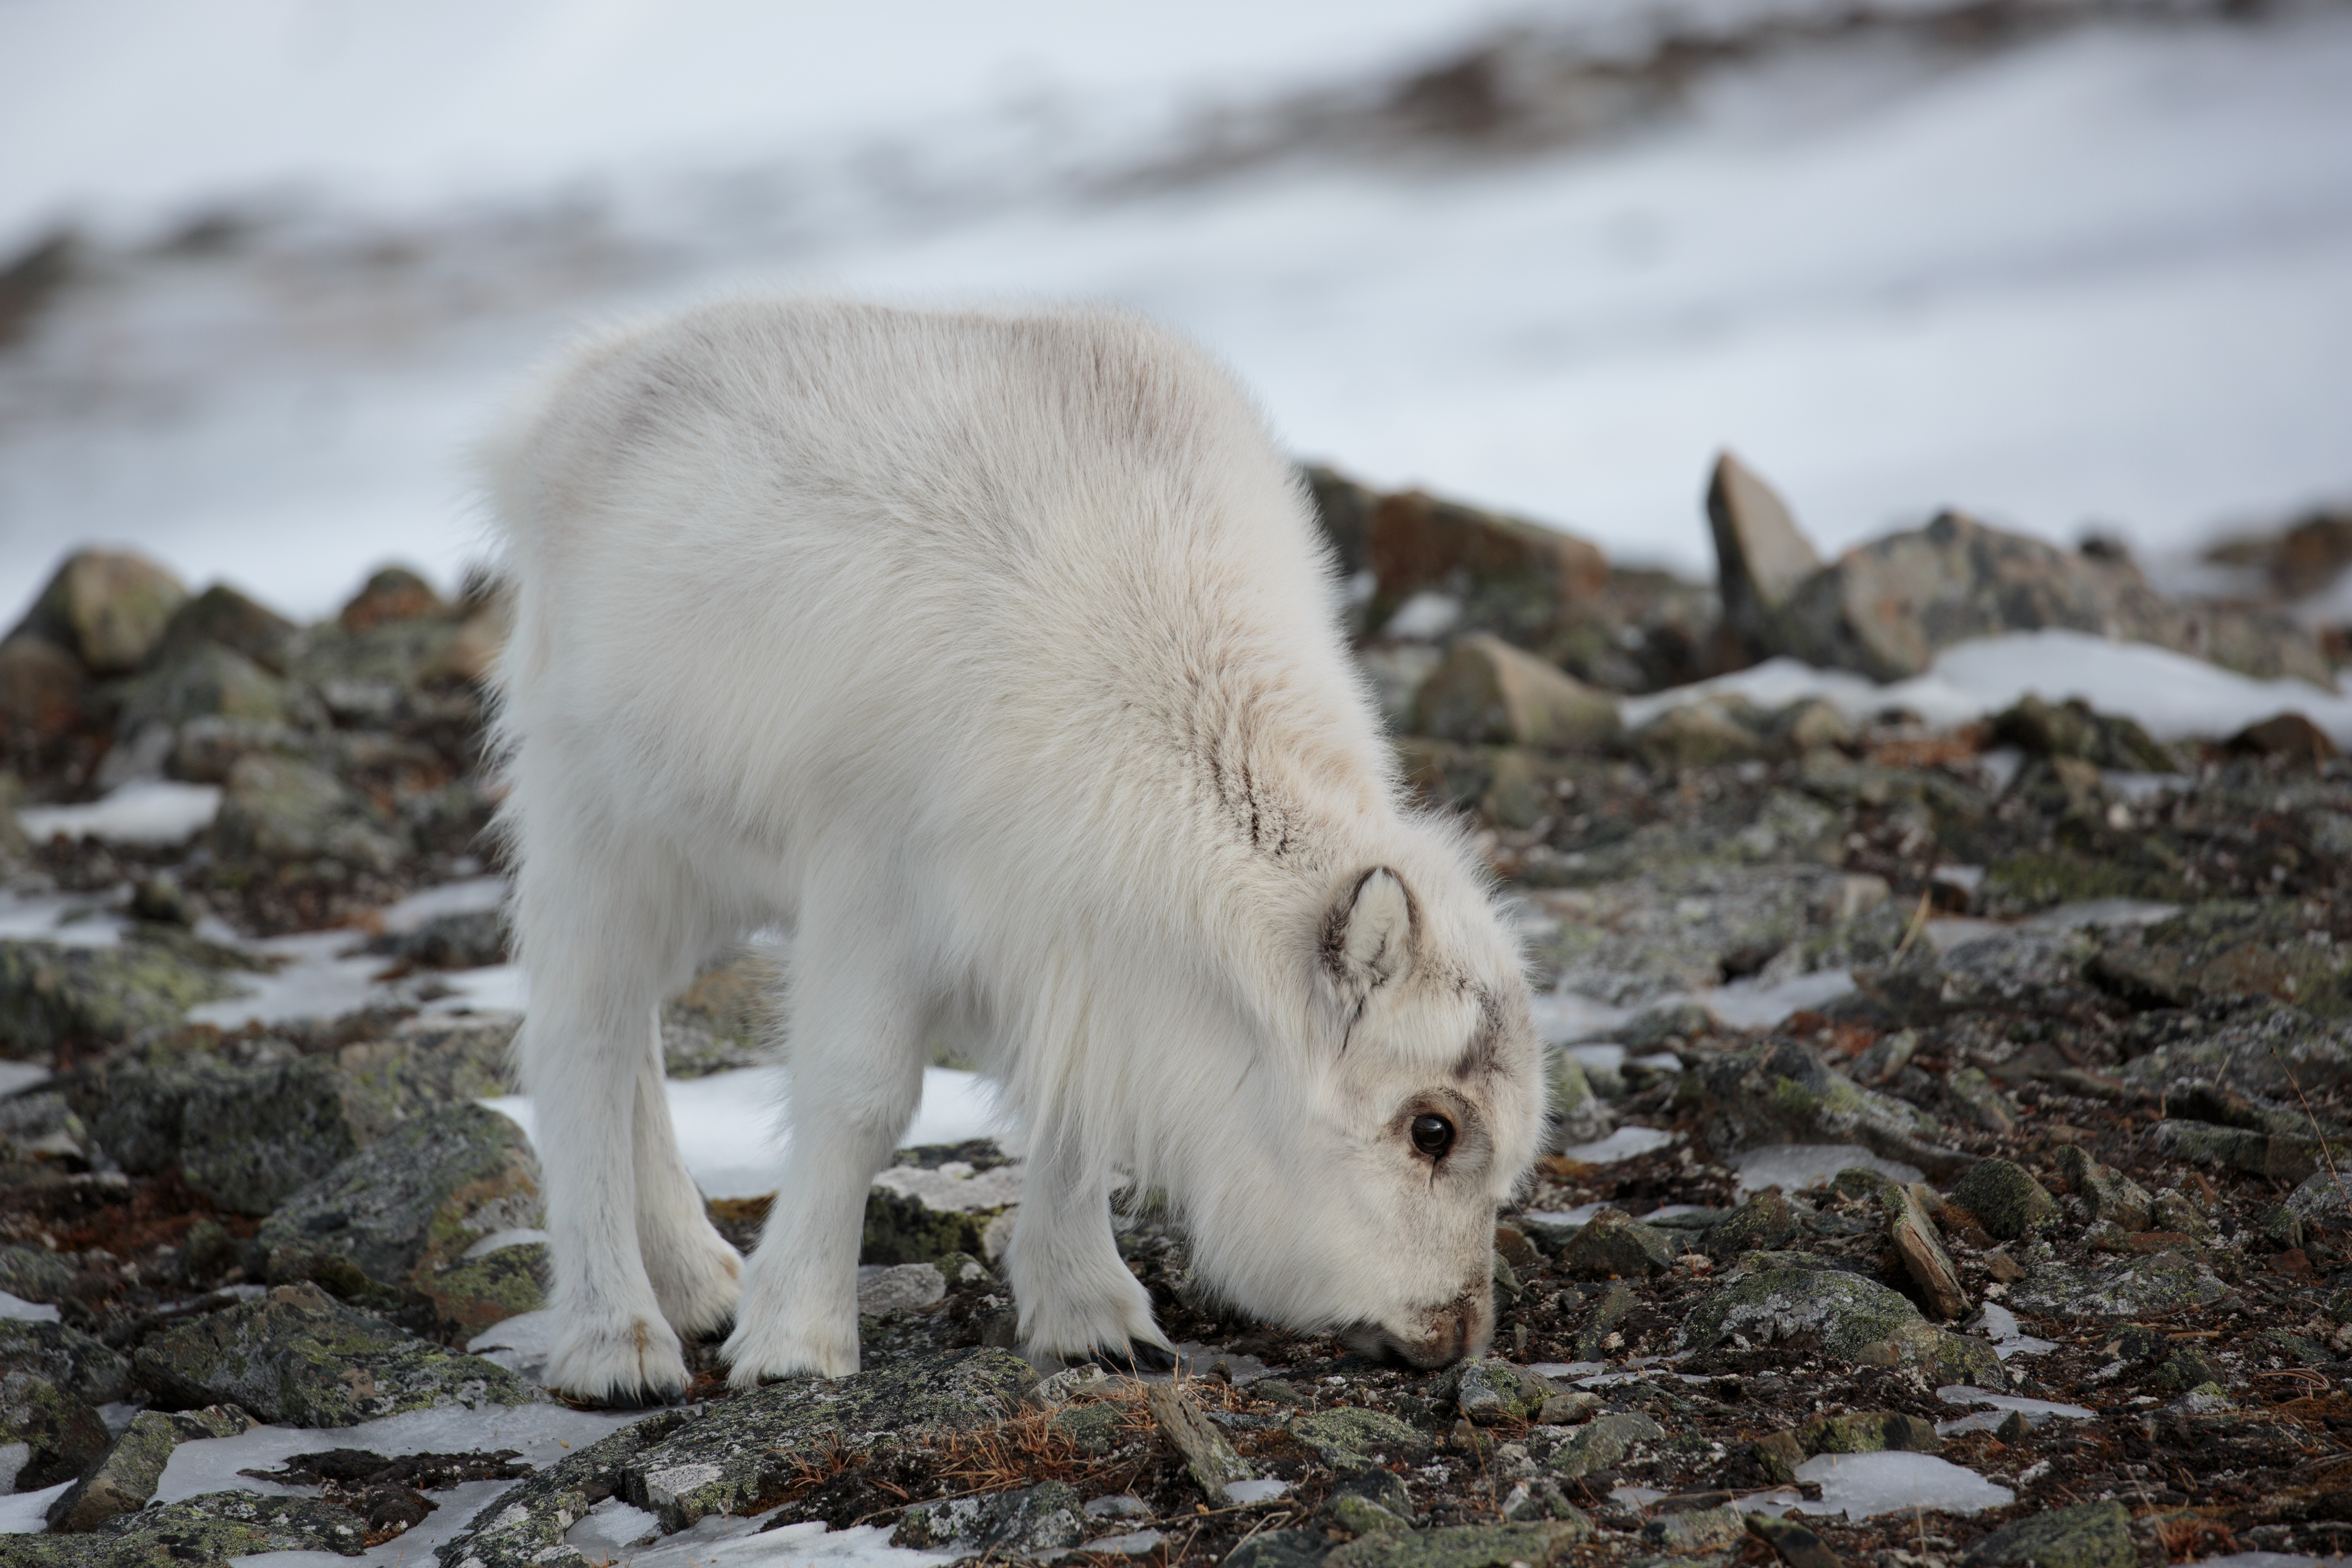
85, 997
197, 1532
743, 1451
1492, 1391
478, 1293
2278, 1156
1487, 692
90, 1370
726, 1018
1351, 1436
2106, 1191
2072, 728
1029, 1522
107, 606
1761, 555
2092, 1535
1844, 1311
1615, 1246
2006, 1200
300, 1358
919, 1214
1603, 1442
1464, 1546
2025, 971
1578, 1116
1686, 1531
62, 1436
1708, 733
1676, 917
1868, 1432
1370, 1501
523, 1527
1780, 1092
209, 681
411, 1203
1765, 1223
224, 617
124, 1480
2162, 1281
280, 808
2224, 948
2251, 1051
34, 1273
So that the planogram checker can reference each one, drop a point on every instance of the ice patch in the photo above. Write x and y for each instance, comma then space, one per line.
2171, 695
1625, 1143
28, 1513
25, 1312
2037, 1412
719, 1542
1568, 1370
1565, 1018
1998, 1324
469, 897
1261, 1490
1793, 1167
1423, 617
146, 811
1863, 1486
1136, 1543
500, 1240
612, 1525
521, 1344
330, 973
18, 1076
68, 920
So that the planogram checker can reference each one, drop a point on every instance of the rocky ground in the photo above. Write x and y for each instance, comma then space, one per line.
1946, 1118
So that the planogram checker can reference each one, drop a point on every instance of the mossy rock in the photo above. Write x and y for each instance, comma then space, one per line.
900, 1229
2093, 1535
109, 607
2042, 878
1578, 1116
2224, 948
1492, 1391
2138, 1288
1762, 1224
1351, 1436
210, 1529
90, 1370
2006, 1200
300, 1358
1844, 1311
1096, 1427
83, 997
1615, 1246
280, 808
1464, 1546
1602, 1442
485, 1292
63, 1437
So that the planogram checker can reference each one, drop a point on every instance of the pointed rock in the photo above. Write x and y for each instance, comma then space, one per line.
1761, 553
1489, 693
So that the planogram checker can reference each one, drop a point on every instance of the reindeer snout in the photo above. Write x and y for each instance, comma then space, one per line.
1441, 1336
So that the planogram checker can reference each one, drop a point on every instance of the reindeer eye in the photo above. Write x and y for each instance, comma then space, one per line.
1432, 1135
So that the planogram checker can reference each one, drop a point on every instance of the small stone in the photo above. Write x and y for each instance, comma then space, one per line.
1701, 734
1615, 1246
1615, 1304
1692, 1530
1352, 1436
2106, 1191
1975, 1094
1465, 1546
1765, 1223
1869, 1432
1780, 1454
277, 808
1568, 1409
1493, 1393
89, 1370
226, 618
2093, 1535
1602, 1442
1281, 1549
899, 1287
1762, 556
1371, 1501
109, 608
2010, 1203
1207, 1454
1487, 692
1797, 1546
2289, 735
1094, 1428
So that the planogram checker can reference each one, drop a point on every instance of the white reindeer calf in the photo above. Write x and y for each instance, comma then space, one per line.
995, 655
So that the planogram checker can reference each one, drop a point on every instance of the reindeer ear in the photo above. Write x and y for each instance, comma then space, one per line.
1368, 936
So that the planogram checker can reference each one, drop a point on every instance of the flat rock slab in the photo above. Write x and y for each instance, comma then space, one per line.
211, 1529
2159, 1282
739, 1457
300, 1358
1464, 1546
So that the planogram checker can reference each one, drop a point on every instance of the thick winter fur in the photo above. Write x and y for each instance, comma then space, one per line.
994, 654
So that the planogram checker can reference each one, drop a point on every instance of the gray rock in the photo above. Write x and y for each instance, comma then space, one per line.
882, 1288
34, 1273
1493, 1392
746, 1447
2282, 1157
1212, 1462
1487, 692
1603, 1442
224, 617
209, 1529
2252, 1052
1712, 732
471, 939
2106, 1191
1029, 1522
107, 607
1370, 1501
409, 1204
1781, 1093
1765, 1223
1616, 1303
1686, 1531
277, 808
2009, 1203
1614, 1246
1351, 1436
2134, 1289
298, 1358
1681, 927
1844, 1311
1762, 556
1281, 1549
2093, 1535
525, 1525
1465, 1546
1887, 608
125, 1479
1578, 1116
52, 996
209, 681
88, 1369
2226, 948
62, 1436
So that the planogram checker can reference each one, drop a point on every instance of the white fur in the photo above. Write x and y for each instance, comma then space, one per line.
996, 654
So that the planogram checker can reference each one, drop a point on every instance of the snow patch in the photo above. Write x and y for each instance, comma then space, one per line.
1793, 1167
1625, 1143
1863, 1486
23, 1312
146, 811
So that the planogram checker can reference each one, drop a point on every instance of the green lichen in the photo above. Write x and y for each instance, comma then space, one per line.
1464, 1546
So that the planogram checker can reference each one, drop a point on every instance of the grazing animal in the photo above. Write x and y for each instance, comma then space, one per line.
994, 654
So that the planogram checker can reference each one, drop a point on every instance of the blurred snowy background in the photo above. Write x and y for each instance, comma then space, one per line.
2067, 263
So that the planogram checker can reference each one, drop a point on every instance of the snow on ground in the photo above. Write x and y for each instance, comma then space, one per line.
2096, 278
2171, 694
1793, 1167
146, 811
